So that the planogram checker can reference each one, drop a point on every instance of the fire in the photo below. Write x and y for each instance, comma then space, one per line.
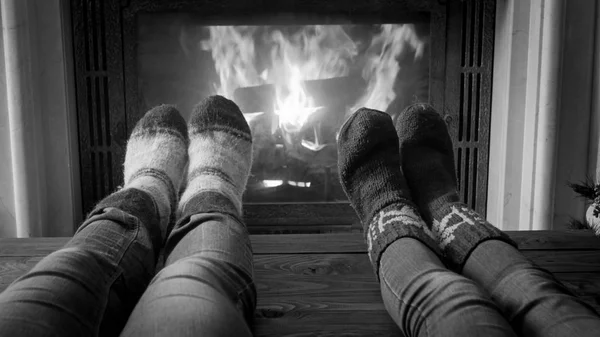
381, 69
313, 52
234, 53
293, 56
292, 104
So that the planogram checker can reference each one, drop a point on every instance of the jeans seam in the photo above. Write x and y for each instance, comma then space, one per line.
248, 286
119, 270
421, 315
528, 296
136, 232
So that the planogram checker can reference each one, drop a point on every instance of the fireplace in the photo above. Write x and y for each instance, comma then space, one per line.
296, 84
297, 69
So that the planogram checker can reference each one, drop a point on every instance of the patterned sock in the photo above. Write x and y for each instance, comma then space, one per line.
428, 162
220, 159
592, 216
155, 160
370, 172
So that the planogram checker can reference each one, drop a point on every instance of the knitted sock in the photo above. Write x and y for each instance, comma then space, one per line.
428, 162
155, 160
220, 159
370, 173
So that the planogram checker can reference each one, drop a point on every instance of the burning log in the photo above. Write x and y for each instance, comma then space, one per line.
308, 154
332, 96
337, 91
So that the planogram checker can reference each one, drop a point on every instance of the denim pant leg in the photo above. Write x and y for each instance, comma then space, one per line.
531, 298
426, 299
88, 287
206, 287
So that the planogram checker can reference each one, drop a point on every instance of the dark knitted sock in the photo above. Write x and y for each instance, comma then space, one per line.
428, 162
370, 172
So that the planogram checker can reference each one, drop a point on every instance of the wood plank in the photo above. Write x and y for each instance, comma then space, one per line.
574, 261
330, 277
30, 246
585, 285
336, 292
309, 243
327, 324
355, 243
340, 264
352, 265
297, 316
328, 243
555, 239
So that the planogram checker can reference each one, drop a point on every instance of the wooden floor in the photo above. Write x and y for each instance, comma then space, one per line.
323, 285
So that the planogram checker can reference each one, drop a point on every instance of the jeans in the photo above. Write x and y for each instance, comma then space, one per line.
102, 282
501, 293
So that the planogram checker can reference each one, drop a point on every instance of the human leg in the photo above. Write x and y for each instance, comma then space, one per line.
532, 300
88, 287
421, 295
206, 287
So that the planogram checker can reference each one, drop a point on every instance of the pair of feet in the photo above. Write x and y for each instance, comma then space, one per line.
401, 181
212, 157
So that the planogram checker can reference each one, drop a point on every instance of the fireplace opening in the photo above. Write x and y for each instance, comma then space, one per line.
295, 84
297, 69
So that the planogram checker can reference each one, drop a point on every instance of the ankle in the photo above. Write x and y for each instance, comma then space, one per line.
220, 154
162, 192
370, 173
436, 208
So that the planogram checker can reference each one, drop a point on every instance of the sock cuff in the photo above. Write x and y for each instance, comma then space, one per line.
392, 223
137, 203
460, 230
207, 183
209, 202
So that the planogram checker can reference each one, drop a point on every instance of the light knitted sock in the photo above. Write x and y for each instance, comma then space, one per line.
220, 154
155, 159
428, 162
370, 172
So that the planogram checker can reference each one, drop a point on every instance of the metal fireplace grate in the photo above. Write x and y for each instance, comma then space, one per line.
472, 128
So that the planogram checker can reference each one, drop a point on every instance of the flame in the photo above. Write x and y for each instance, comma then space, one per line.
381, 68
276, 183
299, 183
272, 183
317, 52
292, 104
307, 53
234, 53
314, 52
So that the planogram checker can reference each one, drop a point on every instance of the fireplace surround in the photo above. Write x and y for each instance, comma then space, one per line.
530, 158
110, 98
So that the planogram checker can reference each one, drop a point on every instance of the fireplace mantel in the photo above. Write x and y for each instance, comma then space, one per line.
40, 101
